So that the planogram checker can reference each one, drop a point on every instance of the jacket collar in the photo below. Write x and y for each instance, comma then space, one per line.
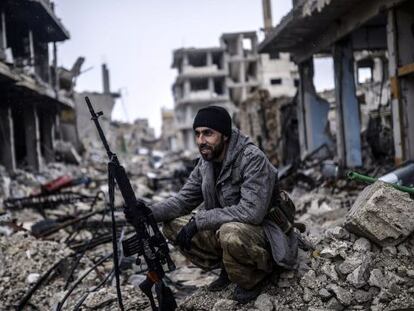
236, 143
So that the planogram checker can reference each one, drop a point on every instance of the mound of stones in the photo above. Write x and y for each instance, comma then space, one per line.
365, 264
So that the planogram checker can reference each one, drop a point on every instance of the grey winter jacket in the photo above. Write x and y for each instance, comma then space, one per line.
244, 192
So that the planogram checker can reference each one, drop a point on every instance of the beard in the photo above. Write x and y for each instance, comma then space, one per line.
212, 152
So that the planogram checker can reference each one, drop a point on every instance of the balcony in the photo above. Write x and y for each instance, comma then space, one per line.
202, 97
39, 16
199, 71
189, 72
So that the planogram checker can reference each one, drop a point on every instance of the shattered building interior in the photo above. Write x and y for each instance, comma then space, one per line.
342, 28
344, 156
29, 87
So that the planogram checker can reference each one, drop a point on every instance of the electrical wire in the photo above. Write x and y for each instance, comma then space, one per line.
82, 300
79, 280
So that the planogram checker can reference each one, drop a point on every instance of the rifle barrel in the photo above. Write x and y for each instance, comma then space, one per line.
95, 117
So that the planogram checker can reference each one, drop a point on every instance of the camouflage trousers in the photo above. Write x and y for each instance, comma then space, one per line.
241, 248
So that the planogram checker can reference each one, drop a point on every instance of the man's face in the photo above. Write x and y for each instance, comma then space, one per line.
211, 144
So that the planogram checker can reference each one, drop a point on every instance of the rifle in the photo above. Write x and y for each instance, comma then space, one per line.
48, 200
50, 194
148, 241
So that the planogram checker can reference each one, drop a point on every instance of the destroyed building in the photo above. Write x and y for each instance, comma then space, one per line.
249, 70
271, 123
262, 87
359, 244
201, 81
340, 29
227, 76
30, 92
242, 59
132, 137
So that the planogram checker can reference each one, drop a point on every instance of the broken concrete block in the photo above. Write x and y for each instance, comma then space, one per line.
334, 304
393, 279
382, 214
264, 302
307, 295
376, 278
328, 252
349, 265
67, 152
343, 295
308, 280
324, 294
403, 251
390, 250
338, 233
336, 248
362, 245
359, 276
362, 296
224, 304
410, 273
329, 270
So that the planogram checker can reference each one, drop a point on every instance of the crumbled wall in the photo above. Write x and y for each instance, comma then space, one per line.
272, 125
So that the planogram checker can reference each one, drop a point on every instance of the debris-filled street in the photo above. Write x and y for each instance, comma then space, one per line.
261, 187
59, 253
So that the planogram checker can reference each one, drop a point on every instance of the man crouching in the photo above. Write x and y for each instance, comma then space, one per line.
236, 183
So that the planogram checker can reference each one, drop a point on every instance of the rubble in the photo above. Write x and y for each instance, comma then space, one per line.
66, 152
343, 269
24, 259
382, 214
78, 233
354, 282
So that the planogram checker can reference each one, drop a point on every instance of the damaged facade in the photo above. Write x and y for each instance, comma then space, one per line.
264, 97
201, 81
340, 29
130, 138
272, 124
226, 76
242, 60
29, 85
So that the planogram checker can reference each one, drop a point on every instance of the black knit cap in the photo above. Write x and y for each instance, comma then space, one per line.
214, 117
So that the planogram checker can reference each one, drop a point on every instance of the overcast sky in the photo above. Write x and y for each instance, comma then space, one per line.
136, 39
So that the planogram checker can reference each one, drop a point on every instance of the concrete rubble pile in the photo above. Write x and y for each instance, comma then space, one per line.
344, 270
360, 257
28, 249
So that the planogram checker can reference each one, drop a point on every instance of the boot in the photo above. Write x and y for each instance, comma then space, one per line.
221, 283
243, 296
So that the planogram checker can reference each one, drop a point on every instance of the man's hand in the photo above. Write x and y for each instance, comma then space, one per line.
186, 234
134, 212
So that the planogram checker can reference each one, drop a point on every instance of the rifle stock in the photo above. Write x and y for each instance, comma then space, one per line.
148, 241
